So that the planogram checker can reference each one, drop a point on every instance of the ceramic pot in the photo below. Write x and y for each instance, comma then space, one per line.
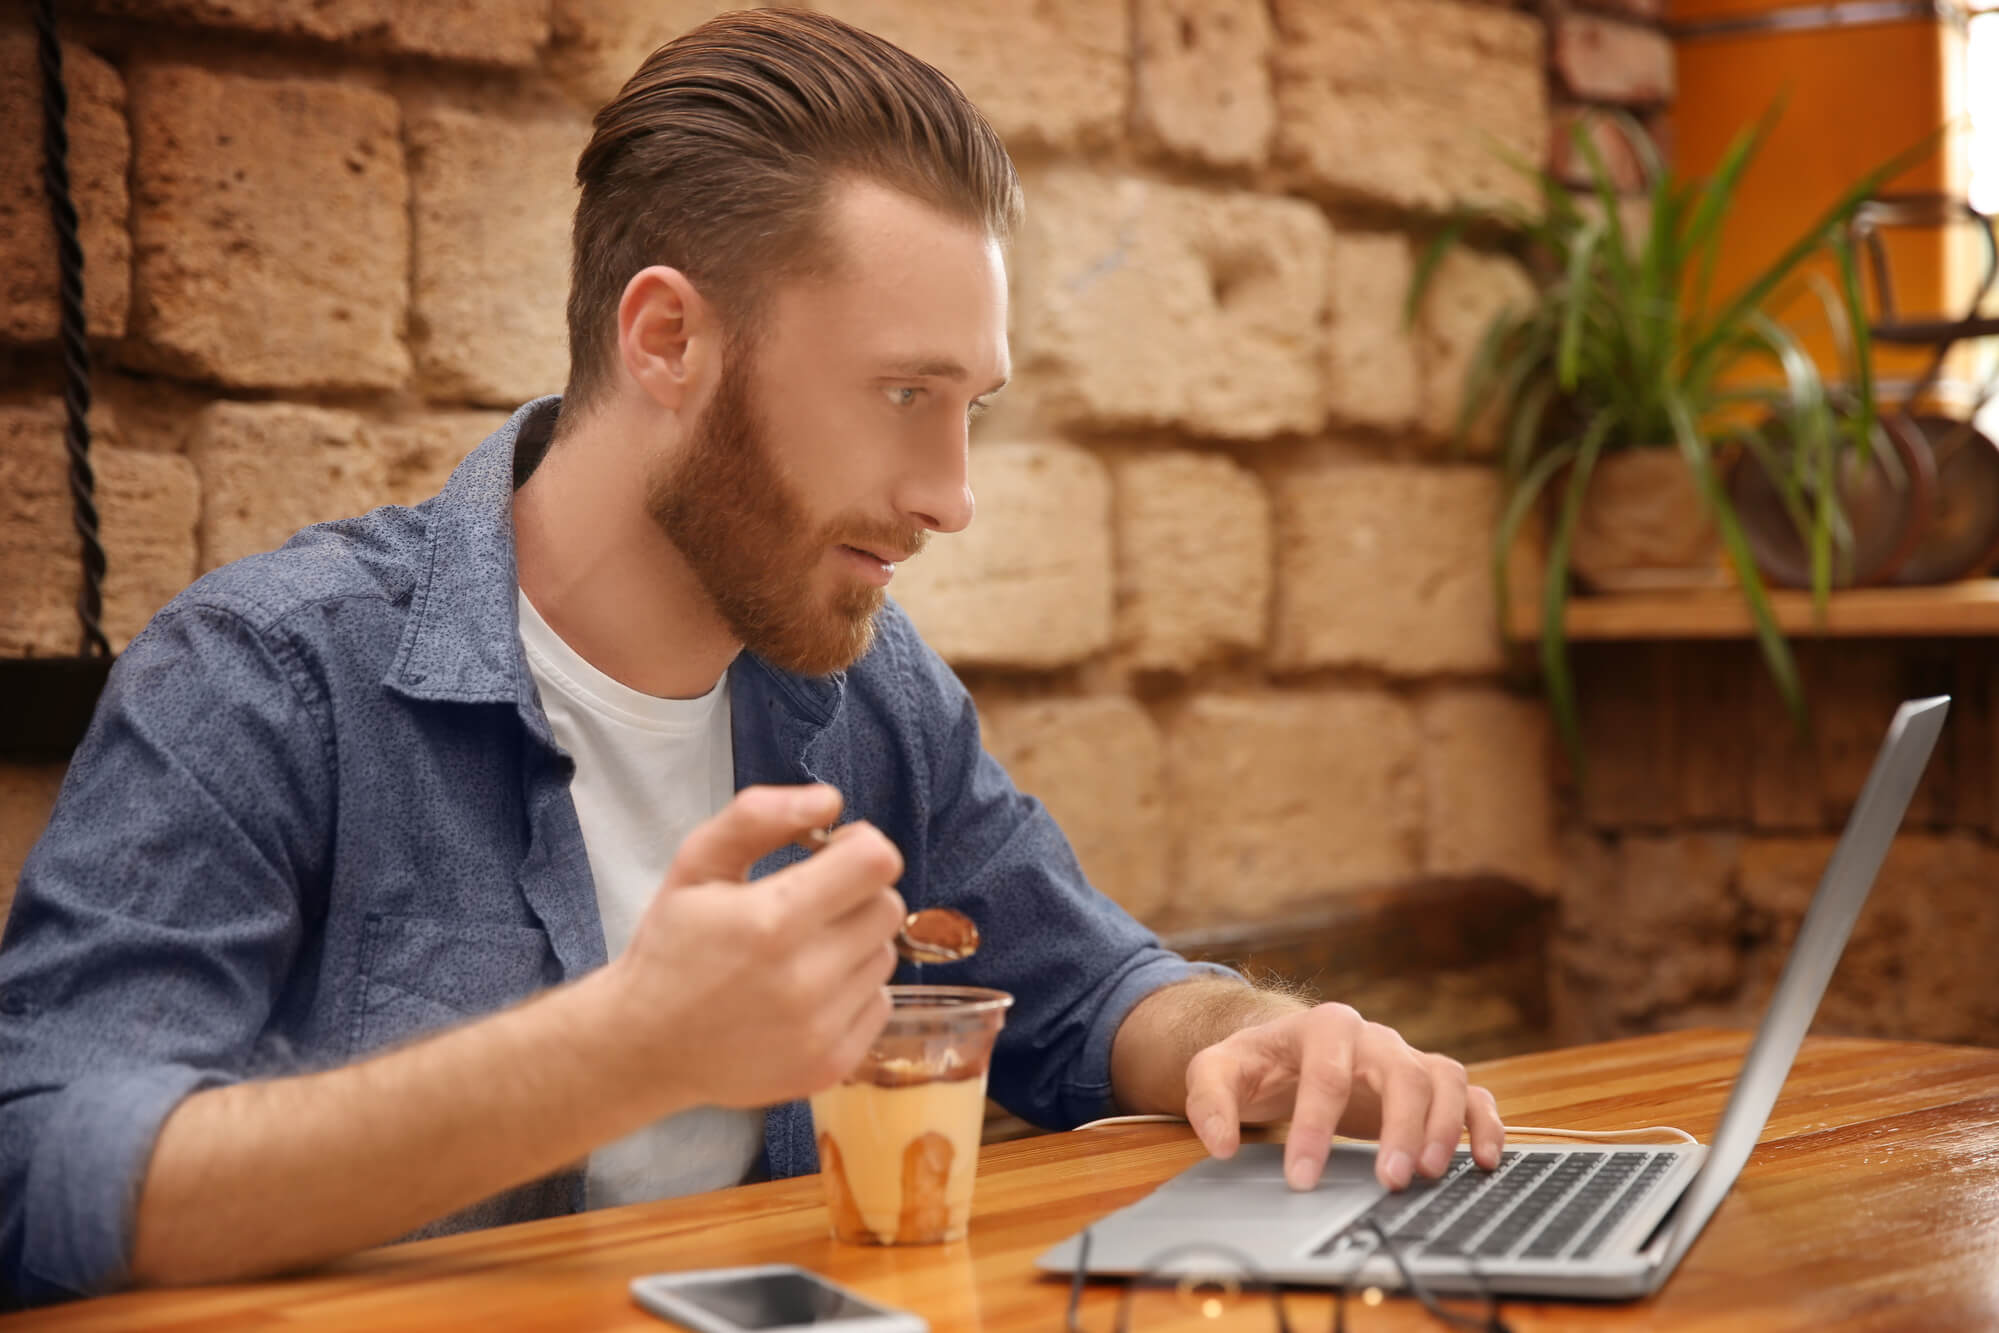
1644, 526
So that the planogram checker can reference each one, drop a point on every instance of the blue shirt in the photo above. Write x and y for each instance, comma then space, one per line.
319, 811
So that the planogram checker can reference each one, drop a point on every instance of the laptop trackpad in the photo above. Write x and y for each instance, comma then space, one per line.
1240, 1205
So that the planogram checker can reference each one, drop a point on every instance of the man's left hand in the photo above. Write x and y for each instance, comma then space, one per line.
1333, 1072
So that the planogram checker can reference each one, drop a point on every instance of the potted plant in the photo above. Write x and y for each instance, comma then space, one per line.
1624, 377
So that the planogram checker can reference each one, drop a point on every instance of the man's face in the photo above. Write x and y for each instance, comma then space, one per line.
834, 442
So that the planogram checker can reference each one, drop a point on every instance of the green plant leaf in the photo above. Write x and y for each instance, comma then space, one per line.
1479, 375
1753, 293
1862, 334
1776, 651
1560, 680
1427, 264
1703, 228
1604, 190
1519, 504
1576, 300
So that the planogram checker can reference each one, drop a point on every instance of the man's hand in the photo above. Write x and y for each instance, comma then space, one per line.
1331, 1071
745, 994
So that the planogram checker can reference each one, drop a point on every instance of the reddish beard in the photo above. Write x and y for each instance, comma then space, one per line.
729, 508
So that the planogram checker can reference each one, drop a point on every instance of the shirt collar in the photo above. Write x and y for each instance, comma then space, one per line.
462, 642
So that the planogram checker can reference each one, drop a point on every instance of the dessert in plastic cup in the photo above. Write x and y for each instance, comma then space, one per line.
899, 1137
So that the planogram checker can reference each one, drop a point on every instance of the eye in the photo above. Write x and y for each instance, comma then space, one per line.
902, 395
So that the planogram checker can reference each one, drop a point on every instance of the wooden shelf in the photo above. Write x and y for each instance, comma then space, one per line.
1946, 610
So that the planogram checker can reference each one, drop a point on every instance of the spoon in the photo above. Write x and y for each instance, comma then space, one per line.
933, 935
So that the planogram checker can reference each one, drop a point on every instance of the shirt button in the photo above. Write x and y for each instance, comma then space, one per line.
13, 1003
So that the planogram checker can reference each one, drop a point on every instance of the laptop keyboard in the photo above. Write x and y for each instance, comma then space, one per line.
1536, 1205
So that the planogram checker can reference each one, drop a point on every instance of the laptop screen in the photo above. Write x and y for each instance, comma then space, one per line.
1842, 891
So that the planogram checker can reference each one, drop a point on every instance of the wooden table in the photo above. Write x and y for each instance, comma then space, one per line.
1873, 1203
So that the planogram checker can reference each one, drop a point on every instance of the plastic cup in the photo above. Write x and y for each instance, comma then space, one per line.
899, 1137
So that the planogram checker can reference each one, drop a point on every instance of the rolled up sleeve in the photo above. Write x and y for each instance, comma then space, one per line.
91, 1142
155, 923
1075, 962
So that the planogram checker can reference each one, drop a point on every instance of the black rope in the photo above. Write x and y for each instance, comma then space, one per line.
74, 342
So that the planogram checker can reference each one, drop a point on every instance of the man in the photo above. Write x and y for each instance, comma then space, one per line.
405, 880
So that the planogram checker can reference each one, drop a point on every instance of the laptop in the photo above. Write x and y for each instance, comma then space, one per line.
1596, 1221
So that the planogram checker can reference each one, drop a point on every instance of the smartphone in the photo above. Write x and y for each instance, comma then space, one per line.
769, 1298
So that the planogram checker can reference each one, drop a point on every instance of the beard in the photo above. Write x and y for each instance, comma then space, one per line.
735, 517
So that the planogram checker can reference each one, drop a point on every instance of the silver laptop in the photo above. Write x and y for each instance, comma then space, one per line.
1597, 1221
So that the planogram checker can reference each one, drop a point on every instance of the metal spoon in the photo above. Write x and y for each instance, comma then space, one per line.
933, 935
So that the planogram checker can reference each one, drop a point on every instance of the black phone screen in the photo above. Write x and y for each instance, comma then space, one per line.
773, 1300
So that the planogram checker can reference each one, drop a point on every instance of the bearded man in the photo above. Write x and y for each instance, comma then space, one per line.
440, 868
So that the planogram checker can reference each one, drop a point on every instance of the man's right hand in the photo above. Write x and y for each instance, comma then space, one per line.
747, 994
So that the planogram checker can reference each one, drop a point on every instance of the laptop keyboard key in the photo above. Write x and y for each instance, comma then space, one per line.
1657, 1167
1615, 1172
1504, 1193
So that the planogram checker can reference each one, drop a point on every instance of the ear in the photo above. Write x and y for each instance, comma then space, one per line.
668, 339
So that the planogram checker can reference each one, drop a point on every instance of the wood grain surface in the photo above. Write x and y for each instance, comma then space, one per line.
1873, 1203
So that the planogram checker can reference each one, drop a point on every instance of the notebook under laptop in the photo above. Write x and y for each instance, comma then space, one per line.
1596, 1221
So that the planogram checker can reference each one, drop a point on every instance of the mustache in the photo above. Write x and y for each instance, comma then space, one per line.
886, 539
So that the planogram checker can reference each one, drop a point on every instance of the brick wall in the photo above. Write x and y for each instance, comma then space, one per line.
1707, 820
1225, 608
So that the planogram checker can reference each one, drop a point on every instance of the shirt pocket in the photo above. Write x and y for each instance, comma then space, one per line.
419, 974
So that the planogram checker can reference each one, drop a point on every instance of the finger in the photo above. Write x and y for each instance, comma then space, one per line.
864, 1021
1215, 1079
1325, 1085
1405, 1105
857, 936
757, 822
1488, 1132
857, 864
1448, 1096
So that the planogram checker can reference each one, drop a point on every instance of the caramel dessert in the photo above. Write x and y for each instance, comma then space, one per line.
899, 1146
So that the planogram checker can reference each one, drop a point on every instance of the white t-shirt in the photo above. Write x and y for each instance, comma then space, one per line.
647, 771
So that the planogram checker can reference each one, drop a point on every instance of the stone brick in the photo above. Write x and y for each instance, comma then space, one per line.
501, 32
1489, 787
99, 155
269, 469
1467, 292
1098, 764
1655, 934
1193, 559
1201, 81
598, 44
1374, 377
419, 453
1388, 566
1277, 801
1919, 963
493, 202
1403, 104
1602, 60
27, 795
1612, 143
1029, 583
1158, 305
270, 232
1046, 75
146, 505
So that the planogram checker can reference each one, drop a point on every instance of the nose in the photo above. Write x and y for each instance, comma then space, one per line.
938, 496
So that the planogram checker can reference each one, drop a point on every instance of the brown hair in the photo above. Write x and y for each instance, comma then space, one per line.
717, 155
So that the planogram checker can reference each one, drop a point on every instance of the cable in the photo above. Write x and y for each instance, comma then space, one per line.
1540, 1131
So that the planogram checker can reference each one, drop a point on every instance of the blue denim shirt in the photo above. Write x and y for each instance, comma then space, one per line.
320, 811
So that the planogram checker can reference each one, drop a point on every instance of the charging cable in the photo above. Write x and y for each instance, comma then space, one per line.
1675, 1133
